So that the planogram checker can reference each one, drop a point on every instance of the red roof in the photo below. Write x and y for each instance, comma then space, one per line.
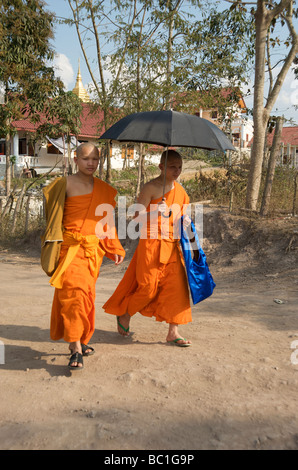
91, 123
289, 135
24, 125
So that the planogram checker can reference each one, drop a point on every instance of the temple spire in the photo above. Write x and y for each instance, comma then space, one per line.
79, 89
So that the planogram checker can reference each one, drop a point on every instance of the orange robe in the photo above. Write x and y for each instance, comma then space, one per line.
73, 309
155, 283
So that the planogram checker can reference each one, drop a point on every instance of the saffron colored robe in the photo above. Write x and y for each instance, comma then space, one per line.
73, 309
155, 283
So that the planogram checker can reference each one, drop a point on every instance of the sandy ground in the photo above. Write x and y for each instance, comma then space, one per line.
235, 388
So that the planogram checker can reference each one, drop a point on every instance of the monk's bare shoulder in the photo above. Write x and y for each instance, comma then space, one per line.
151, 190
70, 185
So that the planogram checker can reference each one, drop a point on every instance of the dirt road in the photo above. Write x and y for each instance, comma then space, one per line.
235, 388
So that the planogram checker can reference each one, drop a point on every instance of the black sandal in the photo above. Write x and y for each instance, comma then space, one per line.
84, 349
76, 357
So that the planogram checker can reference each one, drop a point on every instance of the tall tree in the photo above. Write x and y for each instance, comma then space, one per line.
98, 21
275, 149
25, 33
151, 54
264, 18
266, 14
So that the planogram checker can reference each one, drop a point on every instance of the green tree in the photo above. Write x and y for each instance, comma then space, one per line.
96, 21
63, 118
25, 33
156, 54
178, 48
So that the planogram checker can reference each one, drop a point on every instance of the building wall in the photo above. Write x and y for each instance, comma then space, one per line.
42, 161
117, 159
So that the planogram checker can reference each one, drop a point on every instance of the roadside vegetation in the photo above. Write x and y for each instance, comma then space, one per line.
219, 185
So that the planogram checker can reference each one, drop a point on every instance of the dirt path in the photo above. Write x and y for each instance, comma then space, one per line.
235, 388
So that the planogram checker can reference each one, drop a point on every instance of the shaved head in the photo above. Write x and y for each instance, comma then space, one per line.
172, 154
85, 149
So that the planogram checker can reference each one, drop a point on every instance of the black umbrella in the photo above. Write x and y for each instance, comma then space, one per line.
169, 129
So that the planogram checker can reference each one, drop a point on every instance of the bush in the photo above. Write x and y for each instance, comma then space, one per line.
217, 186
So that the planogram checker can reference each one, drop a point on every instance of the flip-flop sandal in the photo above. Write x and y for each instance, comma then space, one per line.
85, 348
121, 326
181, 345
76, 357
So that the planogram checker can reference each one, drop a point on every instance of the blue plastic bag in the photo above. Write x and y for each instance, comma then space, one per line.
200, 280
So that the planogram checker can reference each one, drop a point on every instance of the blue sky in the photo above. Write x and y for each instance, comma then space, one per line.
68, 53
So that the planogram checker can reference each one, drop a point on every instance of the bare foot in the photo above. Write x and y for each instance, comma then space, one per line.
174, 337
86, 350
179, 341
123, 324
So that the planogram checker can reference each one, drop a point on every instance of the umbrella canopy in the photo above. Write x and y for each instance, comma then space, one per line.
169, 129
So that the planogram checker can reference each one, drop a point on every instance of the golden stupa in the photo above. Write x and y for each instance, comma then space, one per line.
79, 89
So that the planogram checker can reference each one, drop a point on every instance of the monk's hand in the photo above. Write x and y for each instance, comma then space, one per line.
186, 221
118, 259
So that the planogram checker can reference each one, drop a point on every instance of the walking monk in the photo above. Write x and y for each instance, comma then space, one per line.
155, 283
72, 205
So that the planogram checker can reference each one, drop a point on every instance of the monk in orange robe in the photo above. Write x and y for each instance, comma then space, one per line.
155, 283
82, 250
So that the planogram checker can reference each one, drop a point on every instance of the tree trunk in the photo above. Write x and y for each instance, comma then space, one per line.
109, 169
260, 117
64, 157
27, 213
7, 166
69, 157
101, 161
8, 205
7, 147
125, 158
142, 168
271, 167
18, 208
263, 18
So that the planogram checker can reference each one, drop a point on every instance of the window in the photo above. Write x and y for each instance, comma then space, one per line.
130, 151
51, 149
214, 114
22, 147
2, 147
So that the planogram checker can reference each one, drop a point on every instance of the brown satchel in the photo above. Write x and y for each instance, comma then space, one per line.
52, 238
49, 257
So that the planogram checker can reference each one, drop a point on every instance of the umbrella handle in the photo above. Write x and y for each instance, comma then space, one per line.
170, 213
